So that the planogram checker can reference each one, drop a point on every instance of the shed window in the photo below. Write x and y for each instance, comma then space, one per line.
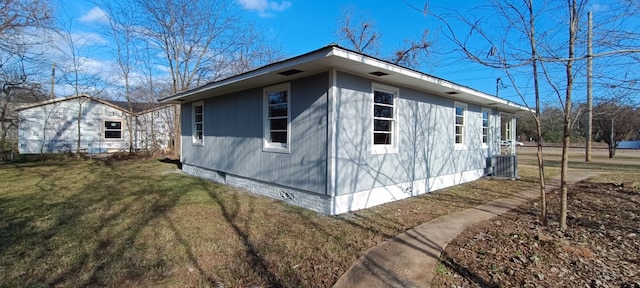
112, 130
277, 118
198, 123
384, 119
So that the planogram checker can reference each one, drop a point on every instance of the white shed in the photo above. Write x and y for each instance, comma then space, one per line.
52, 126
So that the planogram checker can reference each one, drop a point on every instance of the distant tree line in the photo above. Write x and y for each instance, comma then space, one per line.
613, 121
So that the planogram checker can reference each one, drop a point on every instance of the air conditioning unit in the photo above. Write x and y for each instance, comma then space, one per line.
505, 166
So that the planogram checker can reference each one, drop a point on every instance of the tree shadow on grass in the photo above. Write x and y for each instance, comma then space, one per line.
230, 207
81, 229
465, 272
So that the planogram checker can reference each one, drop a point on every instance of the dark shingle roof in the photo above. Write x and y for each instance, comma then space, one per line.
136, 107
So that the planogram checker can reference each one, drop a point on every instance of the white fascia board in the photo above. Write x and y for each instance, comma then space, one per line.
353, 56
319, 54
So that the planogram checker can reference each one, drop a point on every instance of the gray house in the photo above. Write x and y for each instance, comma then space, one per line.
52, 126
335, 130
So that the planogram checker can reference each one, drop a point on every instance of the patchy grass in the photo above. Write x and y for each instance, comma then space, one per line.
136, 223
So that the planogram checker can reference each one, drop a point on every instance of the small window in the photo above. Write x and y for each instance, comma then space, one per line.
460, 124
277, 128
485, 126
112, 130
198, 123
384, 119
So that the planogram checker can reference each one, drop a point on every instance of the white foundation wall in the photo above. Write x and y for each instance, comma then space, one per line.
381, 195
342, 203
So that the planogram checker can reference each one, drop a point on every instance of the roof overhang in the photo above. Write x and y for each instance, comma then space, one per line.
341, 59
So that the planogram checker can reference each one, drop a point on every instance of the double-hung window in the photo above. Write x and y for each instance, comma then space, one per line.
198, 123
277, 118
113, 129
460, 124
385, 124
485, 126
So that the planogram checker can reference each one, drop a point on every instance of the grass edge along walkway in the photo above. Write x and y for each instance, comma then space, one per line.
409, 259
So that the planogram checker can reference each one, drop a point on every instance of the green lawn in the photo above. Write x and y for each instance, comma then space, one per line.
139, 223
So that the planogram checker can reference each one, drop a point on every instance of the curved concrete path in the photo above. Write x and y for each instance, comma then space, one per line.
409, 259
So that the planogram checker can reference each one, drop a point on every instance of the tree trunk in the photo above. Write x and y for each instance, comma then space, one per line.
543, 189
534, 63
573, 27
610, 151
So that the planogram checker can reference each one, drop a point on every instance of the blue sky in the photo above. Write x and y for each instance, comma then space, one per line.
300, 26
308, 25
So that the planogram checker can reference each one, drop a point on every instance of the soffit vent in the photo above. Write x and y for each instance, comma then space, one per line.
290, 72
451, 92
378, 73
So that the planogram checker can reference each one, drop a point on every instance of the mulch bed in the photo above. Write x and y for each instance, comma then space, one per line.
601, 247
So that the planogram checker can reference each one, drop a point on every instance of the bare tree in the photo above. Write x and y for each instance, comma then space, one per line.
191, 35
18, 20
122, 30
199, 40
517, 20
74, 49
551, 52
614, 122
359, 33
16, 16
413, 53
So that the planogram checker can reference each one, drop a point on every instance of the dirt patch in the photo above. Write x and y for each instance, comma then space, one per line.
601, 247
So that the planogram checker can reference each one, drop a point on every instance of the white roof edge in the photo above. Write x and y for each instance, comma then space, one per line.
314, 55
340, 52
337, 51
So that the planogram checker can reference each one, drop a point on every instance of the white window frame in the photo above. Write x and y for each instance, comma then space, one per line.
488, 128
465, 118
194, 123
268, 145
385, 148
104, 129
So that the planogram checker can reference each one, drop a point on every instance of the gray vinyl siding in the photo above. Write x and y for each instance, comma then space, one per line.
233, 136
425, 143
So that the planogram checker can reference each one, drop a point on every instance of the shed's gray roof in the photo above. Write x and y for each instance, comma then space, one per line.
342, 59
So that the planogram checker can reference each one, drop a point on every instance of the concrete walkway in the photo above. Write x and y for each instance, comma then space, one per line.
410, 259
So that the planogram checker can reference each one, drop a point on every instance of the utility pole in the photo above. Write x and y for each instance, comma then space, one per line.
498, 80
613, 143
53, 79
587, 154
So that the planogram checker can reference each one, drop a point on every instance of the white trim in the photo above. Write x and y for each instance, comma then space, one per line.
465, 120
267, 145
485, 145
325, 58
194, 141
380, 195
393, 148
332, 146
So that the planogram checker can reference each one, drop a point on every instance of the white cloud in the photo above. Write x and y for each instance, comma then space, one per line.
95, 15
599, 7
265, 6
279, 7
